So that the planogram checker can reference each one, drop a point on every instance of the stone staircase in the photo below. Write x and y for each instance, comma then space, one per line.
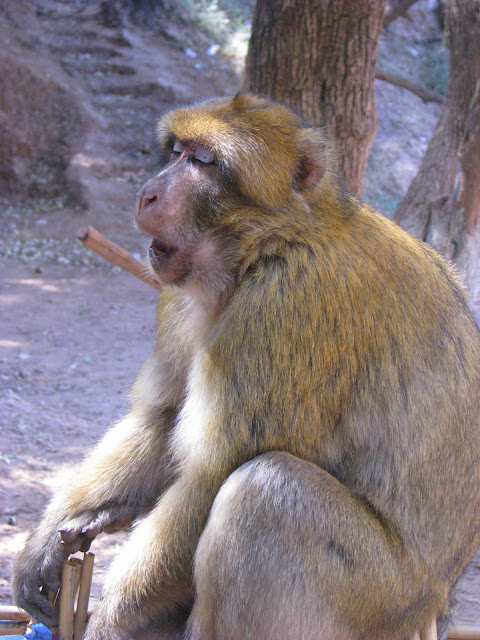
125, 78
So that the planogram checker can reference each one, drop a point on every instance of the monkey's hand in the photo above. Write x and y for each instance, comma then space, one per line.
39, 566
78, 533
37, 576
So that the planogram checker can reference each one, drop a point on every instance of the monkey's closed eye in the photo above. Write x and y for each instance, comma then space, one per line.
202, 154
178, 147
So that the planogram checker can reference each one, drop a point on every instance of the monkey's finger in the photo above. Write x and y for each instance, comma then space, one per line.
93, 529
75, 545
68, 534
52, 593
37, 604
85, 546
50, 576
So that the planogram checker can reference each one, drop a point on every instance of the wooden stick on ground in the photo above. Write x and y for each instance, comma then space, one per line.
464, 632
14, 620
13, 614
112, 252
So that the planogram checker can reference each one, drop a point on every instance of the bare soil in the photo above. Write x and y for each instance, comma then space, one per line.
74, 329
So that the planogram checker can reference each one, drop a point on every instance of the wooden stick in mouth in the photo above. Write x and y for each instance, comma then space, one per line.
115, 254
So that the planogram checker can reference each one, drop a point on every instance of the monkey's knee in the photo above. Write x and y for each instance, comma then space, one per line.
289, 552
247, 512
251, 573
252, 510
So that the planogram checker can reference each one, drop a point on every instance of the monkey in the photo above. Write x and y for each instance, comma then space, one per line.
302, 455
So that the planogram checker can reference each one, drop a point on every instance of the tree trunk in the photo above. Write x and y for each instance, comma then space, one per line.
459, 227
318, 56
442, 204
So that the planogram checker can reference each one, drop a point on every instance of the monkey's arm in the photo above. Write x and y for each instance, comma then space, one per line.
212, 438
153, 575
118, 481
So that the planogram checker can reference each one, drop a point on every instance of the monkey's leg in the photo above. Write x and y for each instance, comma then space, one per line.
172, 628
288, 552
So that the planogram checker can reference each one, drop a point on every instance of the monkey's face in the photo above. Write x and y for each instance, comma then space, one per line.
175, 208
234, 167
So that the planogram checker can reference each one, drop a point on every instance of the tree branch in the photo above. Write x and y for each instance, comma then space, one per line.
426, 95
395, 10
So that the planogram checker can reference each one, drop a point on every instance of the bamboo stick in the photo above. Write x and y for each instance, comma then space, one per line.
80, 619
13, 628
8, 612
70, 580
464, 632
430, 631
112, 252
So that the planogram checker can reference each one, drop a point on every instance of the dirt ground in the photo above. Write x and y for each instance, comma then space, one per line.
74, 329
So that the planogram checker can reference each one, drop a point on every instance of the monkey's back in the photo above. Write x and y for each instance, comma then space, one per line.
409, 422
379, 358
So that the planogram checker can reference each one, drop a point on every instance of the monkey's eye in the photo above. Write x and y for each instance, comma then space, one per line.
178, 147
202, 154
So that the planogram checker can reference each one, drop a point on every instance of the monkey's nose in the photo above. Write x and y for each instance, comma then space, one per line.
147, 198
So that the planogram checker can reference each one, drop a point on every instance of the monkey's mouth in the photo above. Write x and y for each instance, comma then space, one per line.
158, 251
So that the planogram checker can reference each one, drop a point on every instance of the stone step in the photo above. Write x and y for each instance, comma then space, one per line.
72, 50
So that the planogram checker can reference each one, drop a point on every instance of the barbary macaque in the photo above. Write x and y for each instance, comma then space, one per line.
302, 456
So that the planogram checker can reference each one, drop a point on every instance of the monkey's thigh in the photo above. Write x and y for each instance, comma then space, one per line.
289, 553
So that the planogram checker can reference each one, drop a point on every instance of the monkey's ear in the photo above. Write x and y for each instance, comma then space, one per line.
313, 159
245, 100
309, 172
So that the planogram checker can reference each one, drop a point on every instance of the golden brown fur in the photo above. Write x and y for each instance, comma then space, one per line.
308, 425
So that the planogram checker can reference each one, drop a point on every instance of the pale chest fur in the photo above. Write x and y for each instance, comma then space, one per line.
189, 436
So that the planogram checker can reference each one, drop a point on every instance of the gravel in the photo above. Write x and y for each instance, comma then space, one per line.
38, 251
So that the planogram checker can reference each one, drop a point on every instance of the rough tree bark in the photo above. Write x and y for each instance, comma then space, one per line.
442, 204
318, 56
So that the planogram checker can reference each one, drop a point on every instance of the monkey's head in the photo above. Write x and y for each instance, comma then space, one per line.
230, 165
